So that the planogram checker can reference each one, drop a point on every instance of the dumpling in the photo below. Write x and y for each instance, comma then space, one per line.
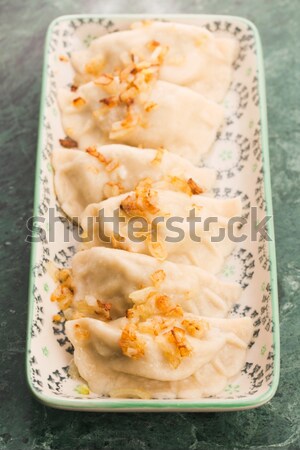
102, 380
166, 224
188, 55
83, 178
172, 356
154, 114
119, 278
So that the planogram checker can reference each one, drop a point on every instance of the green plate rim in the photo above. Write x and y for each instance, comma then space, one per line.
160, 405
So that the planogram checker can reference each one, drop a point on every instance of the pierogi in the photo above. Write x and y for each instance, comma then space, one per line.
156, 114
190, 229
188, 55
82, 178
155, 367
117, 277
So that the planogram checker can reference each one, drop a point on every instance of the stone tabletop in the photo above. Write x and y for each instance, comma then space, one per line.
26, 424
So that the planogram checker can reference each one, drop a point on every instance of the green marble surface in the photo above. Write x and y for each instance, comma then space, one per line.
24, 423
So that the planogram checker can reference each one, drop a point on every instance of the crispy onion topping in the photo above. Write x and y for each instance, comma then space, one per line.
79, 102
68, 142
87, 307
131, 345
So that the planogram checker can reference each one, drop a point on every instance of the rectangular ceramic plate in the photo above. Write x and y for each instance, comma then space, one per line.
240, 156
